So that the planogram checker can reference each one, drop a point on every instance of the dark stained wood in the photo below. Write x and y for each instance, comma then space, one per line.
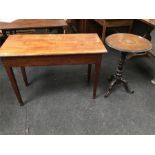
125, 43
117, 78
96, 77
99, 26
148, 26
114, 22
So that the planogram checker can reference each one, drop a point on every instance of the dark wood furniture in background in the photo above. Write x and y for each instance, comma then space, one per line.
29, 24
44, 50
149, 26
99, 25
125, 43
111, 23
151, 23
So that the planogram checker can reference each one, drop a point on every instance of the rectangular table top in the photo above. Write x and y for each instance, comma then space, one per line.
51, 44
33, 23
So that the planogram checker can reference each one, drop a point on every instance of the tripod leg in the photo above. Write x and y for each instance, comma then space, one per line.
126, 86
112, 84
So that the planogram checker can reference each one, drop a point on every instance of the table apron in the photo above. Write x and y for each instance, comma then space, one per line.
51, 60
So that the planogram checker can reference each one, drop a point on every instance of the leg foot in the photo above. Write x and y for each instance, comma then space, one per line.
126, 86
111, 78
112, 84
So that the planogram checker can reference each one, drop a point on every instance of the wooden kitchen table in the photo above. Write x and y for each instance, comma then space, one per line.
46, 49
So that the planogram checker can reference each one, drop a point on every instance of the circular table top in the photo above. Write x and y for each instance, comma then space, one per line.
126, 42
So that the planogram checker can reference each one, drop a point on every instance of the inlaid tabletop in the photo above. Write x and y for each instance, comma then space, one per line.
33, 23
126, 42
51, 44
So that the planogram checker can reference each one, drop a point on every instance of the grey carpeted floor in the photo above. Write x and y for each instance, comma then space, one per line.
59, 101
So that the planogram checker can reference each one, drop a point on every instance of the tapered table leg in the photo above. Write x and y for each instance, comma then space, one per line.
89, 72
96, 79
24, 76
14, 84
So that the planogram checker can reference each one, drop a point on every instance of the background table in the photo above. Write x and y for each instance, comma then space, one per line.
111, 23
26, 24
99, 26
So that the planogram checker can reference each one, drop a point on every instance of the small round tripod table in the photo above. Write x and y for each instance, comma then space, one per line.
125, 43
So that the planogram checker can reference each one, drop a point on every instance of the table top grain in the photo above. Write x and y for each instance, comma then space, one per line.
51, 44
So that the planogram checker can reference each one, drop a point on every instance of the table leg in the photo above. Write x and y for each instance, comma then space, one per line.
24, 76
117, 77
89, 72
96, 79
14, 83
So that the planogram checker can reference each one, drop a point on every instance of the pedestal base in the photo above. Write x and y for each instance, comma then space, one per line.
117, 77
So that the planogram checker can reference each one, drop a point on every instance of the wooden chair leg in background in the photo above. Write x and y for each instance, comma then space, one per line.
24, 76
